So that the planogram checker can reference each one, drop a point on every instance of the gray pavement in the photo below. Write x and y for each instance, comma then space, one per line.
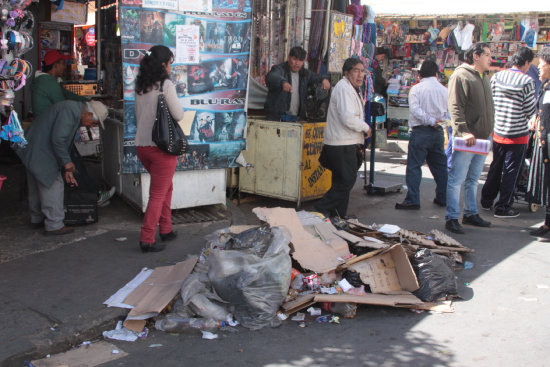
52, 290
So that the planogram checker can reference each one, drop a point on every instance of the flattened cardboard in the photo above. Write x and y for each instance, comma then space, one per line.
388, 272
396, 300
328, 233
311, 252
159, 288
298, 304
86, 355
134, 325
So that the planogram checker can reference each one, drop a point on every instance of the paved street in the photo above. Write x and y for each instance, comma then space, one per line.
61, 283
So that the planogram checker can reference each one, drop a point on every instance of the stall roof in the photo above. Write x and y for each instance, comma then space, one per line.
462, 7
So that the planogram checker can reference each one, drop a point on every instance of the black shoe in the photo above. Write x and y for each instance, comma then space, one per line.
489, 208
452, 225
151, 247
475, 220
405, 205
168, 236
508, 213
539, 232
440, 203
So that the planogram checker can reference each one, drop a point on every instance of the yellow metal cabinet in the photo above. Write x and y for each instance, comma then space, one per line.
284, 161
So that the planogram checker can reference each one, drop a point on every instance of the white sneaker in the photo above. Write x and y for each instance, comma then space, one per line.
105, 195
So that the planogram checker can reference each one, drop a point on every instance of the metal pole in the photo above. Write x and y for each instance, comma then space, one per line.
372, 151
98, 35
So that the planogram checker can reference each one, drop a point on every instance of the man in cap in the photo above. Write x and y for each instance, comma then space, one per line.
46, 89
48, 160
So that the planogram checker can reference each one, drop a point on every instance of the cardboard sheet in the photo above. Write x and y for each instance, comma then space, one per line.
311, 252
328, 233
399, 300
85, 355
159, 288
298, 304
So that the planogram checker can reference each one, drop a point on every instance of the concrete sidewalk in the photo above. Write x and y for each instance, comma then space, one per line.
52, 289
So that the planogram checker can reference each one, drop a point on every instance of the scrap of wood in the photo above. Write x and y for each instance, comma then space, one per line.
298, 304
417, 238
443, 306
445, 240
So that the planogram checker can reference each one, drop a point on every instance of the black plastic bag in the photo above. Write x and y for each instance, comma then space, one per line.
254, 285
435, 276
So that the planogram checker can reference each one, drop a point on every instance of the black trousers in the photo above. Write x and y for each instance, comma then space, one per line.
343, 161
503, 175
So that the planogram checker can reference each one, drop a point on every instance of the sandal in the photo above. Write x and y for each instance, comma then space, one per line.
541, 231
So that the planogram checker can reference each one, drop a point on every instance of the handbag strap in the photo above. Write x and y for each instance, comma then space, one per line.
161, 84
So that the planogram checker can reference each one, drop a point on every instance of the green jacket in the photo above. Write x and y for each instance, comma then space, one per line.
471, 103
50, 138
46, 91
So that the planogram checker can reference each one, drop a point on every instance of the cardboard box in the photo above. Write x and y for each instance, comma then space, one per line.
391, 278
388, 272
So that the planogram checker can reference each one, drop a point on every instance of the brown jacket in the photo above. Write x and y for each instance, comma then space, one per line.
471, 103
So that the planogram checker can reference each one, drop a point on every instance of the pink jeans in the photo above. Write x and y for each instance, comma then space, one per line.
161, 166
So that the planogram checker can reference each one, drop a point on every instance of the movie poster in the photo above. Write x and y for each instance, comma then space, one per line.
210, 73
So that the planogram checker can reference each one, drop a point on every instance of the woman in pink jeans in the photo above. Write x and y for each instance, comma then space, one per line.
154, 71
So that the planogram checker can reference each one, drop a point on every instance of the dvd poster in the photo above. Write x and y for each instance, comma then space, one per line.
210, 74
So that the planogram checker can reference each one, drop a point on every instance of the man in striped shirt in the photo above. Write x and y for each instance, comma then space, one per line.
514, 98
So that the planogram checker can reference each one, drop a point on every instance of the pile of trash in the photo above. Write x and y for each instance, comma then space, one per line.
256, 276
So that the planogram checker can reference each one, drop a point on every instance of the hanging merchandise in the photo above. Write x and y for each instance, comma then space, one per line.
316, 33
15, 40
12, 131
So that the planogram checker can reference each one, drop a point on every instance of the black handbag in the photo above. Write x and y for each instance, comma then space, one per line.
167, 133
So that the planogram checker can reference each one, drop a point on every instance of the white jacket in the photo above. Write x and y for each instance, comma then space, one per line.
345, 117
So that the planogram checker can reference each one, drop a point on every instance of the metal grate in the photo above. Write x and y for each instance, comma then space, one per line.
209, 213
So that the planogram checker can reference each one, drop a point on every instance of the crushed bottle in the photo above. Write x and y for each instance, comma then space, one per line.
176, 324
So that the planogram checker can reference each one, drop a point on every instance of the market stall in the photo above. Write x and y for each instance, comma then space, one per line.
282, 156
409, 40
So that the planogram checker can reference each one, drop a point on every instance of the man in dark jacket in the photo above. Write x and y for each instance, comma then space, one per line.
48, 161
472, 115
288, 83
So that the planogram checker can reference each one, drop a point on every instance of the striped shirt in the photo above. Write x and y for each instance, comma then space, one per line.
514, 99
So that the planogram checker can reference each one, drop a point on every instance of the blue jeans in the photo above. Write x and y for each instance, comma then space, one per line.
466, 169
426, 145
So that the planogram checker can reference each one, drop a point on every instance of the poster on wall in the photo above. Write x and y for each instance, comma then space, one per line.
210, 72
340, 40
529, 31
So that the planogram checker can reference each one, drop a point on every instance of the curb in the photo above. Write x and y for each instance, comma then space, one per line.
67, 335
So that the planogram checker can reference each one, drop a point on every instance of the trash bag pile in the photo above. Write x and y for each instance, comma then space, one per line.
240, 279
255, 276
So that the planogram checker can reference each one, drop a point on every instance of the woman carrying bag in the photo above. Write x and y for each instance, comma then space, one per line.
154, 72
